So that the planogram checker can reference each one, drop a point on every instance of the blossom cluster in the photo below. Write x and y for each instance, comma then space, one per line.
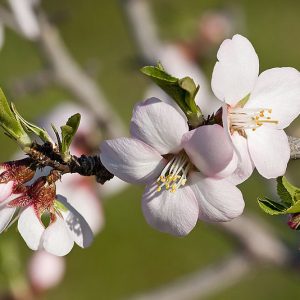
191, 167
192, 173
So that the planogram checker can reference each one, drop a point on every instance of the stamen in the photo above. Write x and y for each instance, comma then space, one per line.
250, 118
175, 173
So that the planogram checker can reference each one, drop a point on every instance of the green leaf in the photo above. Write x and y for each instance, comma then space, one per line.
286, 191
182, 91
29, 127
67, 134
270, 207
11, 125
288, 203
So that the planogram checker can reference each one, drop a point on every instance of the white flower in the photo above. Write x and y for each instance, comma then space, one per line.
183, 169
59, 237
12, 175
66, 225
256, 127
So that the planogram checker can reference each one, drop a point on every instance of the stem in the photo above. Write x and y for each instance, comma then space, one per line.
294, 146
44, 155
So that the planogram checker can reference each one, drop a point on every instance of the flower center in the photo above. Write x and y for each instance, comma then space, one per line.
175, 173
249, 118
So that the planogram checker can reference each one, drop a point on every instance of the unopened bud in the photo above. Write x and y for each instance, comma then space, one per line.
45, 271
294, 221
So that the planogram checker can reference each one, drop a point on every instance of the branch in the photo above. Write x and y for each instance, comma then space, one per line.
295, 147
69, 75
257, 239
201, 284
142, 28
45, 155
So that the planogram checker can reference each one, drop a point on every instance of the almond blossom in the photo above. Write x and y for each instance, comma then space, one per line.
45, 220
257, 108
12, 175
183, 170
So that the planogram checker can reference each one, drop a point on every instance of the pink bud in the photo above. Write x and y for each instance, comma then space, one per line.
294, 221
45, 270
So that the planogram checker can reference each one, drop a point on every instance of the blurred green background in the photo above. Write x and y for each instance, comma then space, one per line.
128, 257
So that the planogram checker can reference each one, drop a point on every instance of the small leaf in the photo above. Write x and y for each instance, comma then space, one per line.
286, 191
40, 132
288, 203
11, 125
182, 91
270, 207
67, 134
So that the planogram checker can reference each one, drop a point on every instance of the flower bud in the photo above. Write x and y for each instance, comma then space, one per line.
45, 271
294, 221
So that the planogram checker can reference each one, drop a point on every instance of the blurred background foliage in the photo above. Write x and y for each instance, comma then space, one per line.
129, 257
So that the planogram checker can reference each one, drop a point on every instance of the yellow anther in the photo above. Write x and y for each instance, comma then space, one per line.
183, 182
158, 189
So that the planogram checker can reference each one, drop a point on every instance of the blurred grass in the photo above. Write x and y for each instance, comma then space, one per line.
129, 257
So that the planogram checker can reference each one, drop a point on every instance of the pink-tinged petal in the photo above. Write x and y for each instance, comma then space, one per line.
6, 215
30, 228
56, 239
159, 125
278, 89
236, 71
77, 226
210, 150
245, 165
174, 213
218, 199
131, 160
6, 190
269, 150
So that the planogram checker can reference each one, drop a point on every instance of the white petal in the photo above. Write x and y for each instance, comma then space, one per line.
84, 199
6, 190
56, 239
6, 215
278, 89
219, 200
245, 165
78, 227
113, 187
174, 213
131, 160
269, 150
210, 150
236, 71
30, 228
159, 125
